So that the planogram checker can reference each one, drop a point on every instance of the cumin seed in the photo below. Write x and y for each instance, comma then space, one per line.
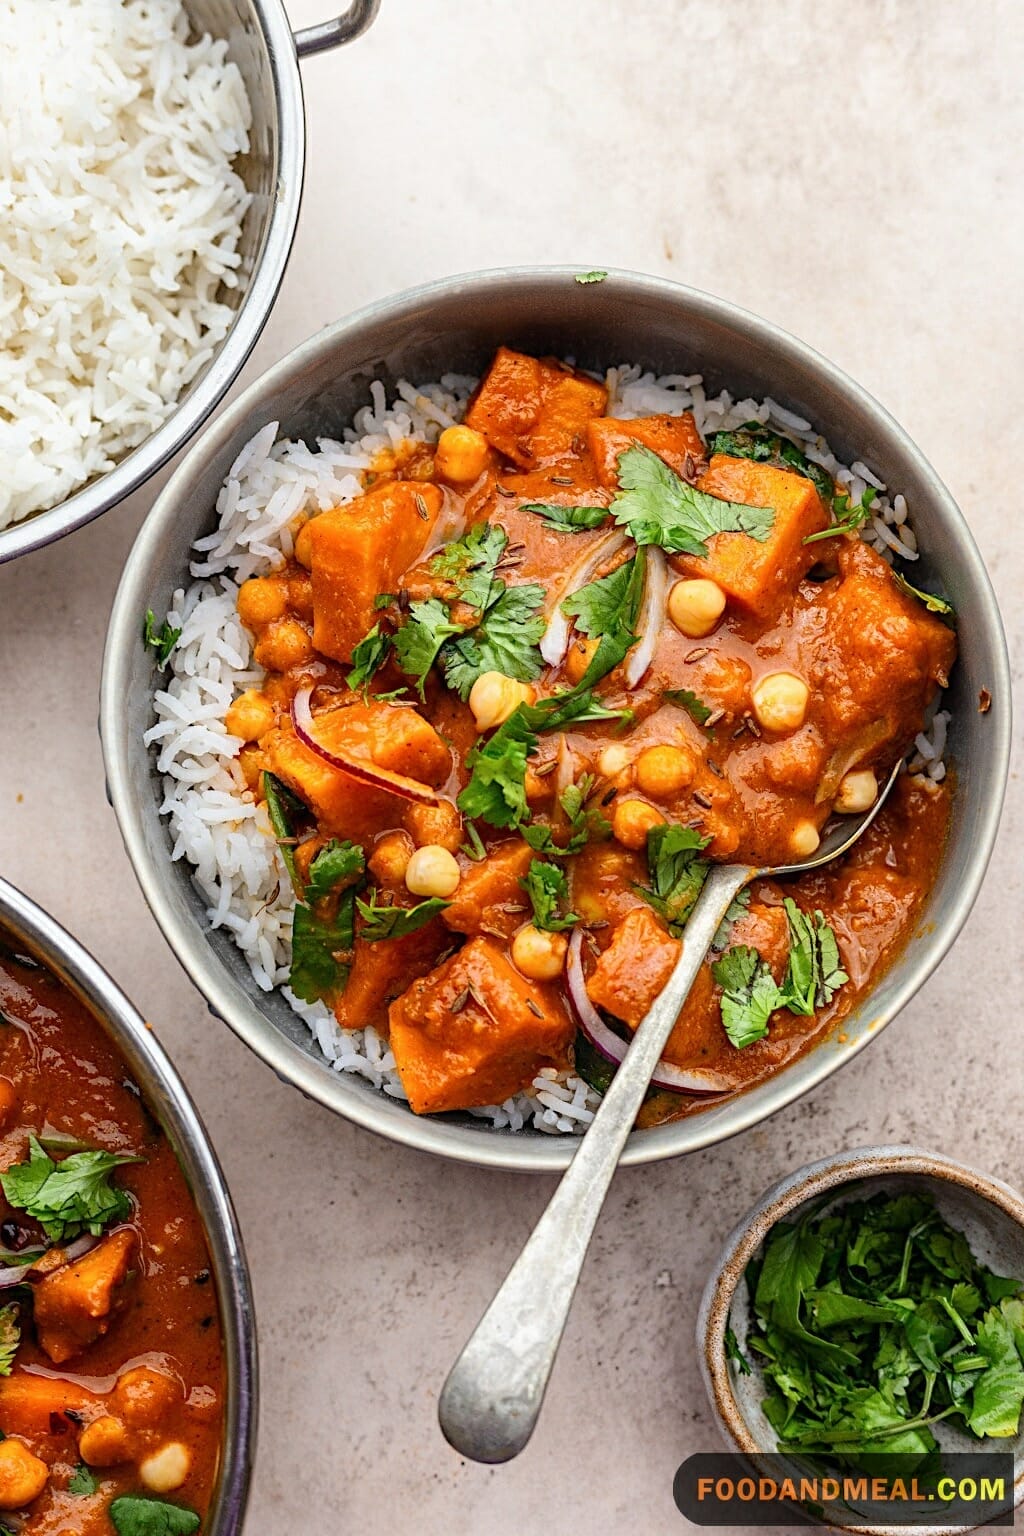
609, 796
533, 1008
503, 490
702, 799
715, 769
460, 1002
421, 507
511, 906
698, 654
474, 993
543, 769
752, 726
494, 933
713, 718
561, 480
739, 731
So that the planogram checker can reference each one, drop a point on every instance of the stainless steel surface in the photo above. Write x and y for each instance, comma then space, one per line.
342, 29
491, 1401
455, 325
987, 1211
29, 929
261, 44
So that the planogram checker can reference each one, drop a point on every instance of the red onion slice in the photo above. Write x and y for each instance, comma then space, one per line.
652, 616
555, 640
21, 1274
360, 768
693, 1080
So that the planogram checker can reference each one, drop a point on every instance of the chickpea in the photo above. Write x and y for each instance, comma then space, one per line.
579, 656
22, 1475
631, 822
614, 760
804, 839
493, 697
462, 454
858, 792
167, 1468
303, 548
695, 606
432, 871
390, 857
261, 600
664, 771
300, 596
283, 645
104, 1442
144, 1395
250, 716
780, 701
440, 824
539, 955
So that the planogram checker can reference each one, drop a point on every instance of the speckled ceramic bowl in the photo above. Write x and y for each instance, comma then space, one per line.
988, 1212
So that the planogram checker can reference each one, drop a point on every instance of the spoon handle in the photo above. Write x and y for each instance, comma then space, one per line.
494, 1391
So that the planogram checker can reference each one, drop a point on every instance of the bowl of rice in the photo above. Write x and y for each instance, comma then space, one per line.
151, 169
301, 440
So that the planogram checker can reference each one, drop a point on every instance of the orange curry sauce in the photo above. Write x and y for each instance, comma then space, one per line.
472, 1009
121, 1353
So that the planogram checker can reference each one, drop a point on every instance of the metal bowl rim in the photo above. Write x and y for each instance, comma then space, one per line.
72, 963
108, 490
465, 1143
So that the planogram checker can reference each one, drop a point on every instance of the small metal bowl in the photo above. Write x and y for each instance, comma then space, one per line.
27, 929
261, 44
987, 1211
455, 326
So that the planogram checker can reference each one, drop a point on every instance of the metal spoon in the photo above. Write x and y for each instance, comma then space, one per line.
492, 1398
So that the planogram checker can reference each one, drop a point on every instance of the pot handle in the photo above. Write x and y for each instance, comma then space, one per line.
331, 34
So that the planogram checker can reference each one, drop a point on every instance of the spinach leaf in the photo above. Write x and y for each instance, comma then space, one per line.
132, 1516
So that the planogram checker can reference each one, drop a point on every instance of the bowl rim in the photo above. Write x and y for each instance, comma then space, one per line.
166, 1095
107, 490
824, 1175
292, 1063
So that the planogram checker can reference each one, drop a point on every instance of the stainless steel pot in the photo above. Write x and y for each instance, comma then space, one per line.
455, 326
266, 52
29, 930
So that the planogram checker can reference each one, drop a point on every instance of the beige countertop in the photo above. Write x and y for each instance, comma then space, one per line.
851, 172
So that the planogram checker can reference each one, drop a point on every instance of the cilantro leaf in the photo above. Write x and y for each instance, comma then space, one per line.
932, 603
596, 276
763, 446
162, 641
735, 910
385, 921
10, 1335
335, 865
585, 823
658, 507
368, 656
749, 994
418, 643
322, 949
70, 1197
82, 1481
608, 610
470, 563
814, 972
496, 792
677, 873
133, 1516
568, 519
695, 707
505, 640
847, 518
548, 889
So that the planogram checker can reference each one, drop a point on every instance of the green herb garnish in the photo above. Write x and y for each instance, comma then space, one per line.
82, 1481
282, 809
10, 1335
934, 604
608, 610
586, 823
323, 923
658, 507
368, 657
383, 920
596, 1070
677, 872
470, 563
548, 890
750, 994
162, 641
695, 707
69, 1197
763, 446
873, 1322
418, 643
735, 1354
568, 519
133, 1516
505, 640
847, 518
335, 866
597, 276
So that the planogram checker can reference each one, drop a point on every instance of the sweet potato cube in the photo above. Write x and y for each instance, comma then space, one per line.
76, 1304
673, 438
489, 888
531, 410
475, 1031
358, 551
759, 576
28, 1402
382, 970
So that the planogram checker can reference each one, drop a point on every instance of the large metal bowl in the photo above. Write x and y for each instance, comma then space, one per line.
456, 325
27, 929
261, 43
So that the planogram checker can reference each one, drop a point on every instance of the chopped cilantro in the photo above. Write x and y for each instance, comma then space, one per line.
383, 600
597, 276
69, 1197
586, 824
163, 640
470, 563
322, 949
847, 518
735, 910
132, 1516
505, 640
368, 657
658, 507
750, 994
548, 890
932, 603
735, 1354
386, 921
418, 643
10, 1335
568, 519
82, 1481
473, 847
677, 873
760, 443
607, 610
695, 707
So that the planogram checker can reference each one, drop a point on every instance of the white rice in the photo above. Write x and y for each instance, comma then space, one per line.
120, 217
216, 823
